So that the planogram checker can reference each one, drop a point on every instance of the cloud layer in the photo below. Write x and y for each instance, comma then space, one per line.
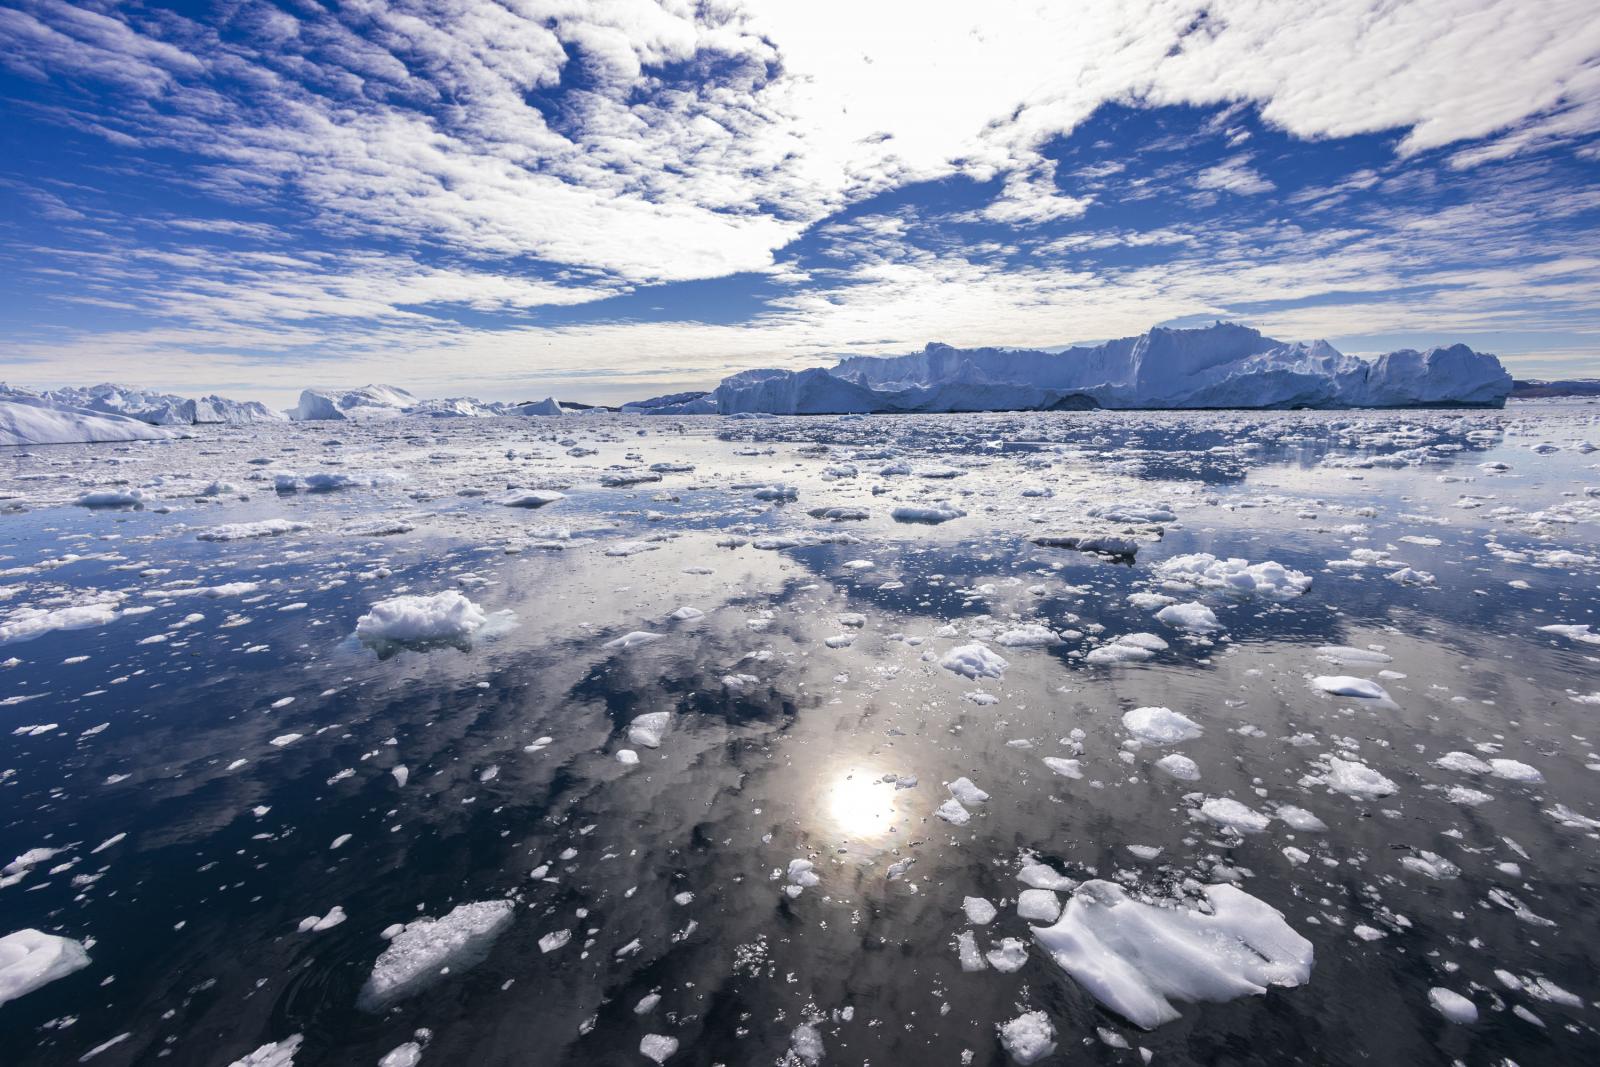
623, 194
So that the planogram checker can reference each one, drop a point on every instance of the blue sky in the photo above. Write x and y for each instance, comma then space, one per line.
612, 199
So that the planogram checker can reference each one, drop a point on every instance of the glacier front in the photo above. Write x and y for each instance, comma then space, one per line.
1221, 366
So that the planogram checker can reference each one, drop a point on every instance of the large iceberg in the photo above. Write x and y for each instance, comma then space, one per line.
32, 420
1220, 366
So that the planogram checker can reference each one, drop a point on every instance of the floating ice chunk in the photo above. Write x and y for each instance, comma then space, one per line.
657, 1047
633, 639
976, 660
805, 1041
801, 875
777, 492
1011, 953
1137, 958
554, 940
1301, 819
406, 1055
1514, 771
31, 958
1182, 768
1030, 636
687, 614
1460, 794
627, 756
1098, 543
1129, 648
529, 498
963, 790
646, 730
1160, 726
839, 514
1193, 616
239, 531
418, 954
1067, 768
1028, 1038
315, 924
932, 516
1043, 876
1431, 864
1352, 778
1452, 1005
1232, 815
1269, 580
1038, 905
952, 812
419, 619
623, 479
967, 952
1346, 656
980, 912
402, 774
1343, 685
272, 1054
23, 624
1463, 762
113, 498
1575, 632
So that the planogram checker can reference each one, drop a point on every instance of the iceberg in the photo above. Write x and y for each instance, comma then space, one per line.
1220, 366
143, 405
33, 420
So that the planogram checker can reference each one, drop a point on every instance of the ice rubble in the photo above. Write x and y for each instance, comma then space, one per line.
1137, 958
425, 947
1220, 366
31, 958
416, 619
1269, 580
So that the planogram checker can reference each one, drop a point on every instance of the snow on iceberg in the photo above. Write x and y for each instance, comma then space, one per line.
425, 948
1220, 366
31, 958
1137, 958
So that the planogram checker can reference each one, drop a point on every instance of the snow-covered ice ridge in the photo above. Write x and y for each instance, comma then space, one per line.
1220, 366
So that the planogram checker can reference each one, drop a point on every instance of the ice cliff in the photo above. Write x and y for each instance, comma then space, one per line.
1220, 366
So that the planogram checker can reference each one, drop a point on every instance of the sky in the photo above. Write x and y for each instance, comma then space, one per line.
613, 199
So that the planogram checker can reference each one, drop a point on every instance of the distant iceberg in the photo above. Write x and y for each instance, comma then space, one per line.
387, 401
1220, 366
143, 405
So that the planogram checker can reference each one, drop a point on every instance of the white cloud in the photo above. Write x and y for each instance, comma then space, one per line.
437, 127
